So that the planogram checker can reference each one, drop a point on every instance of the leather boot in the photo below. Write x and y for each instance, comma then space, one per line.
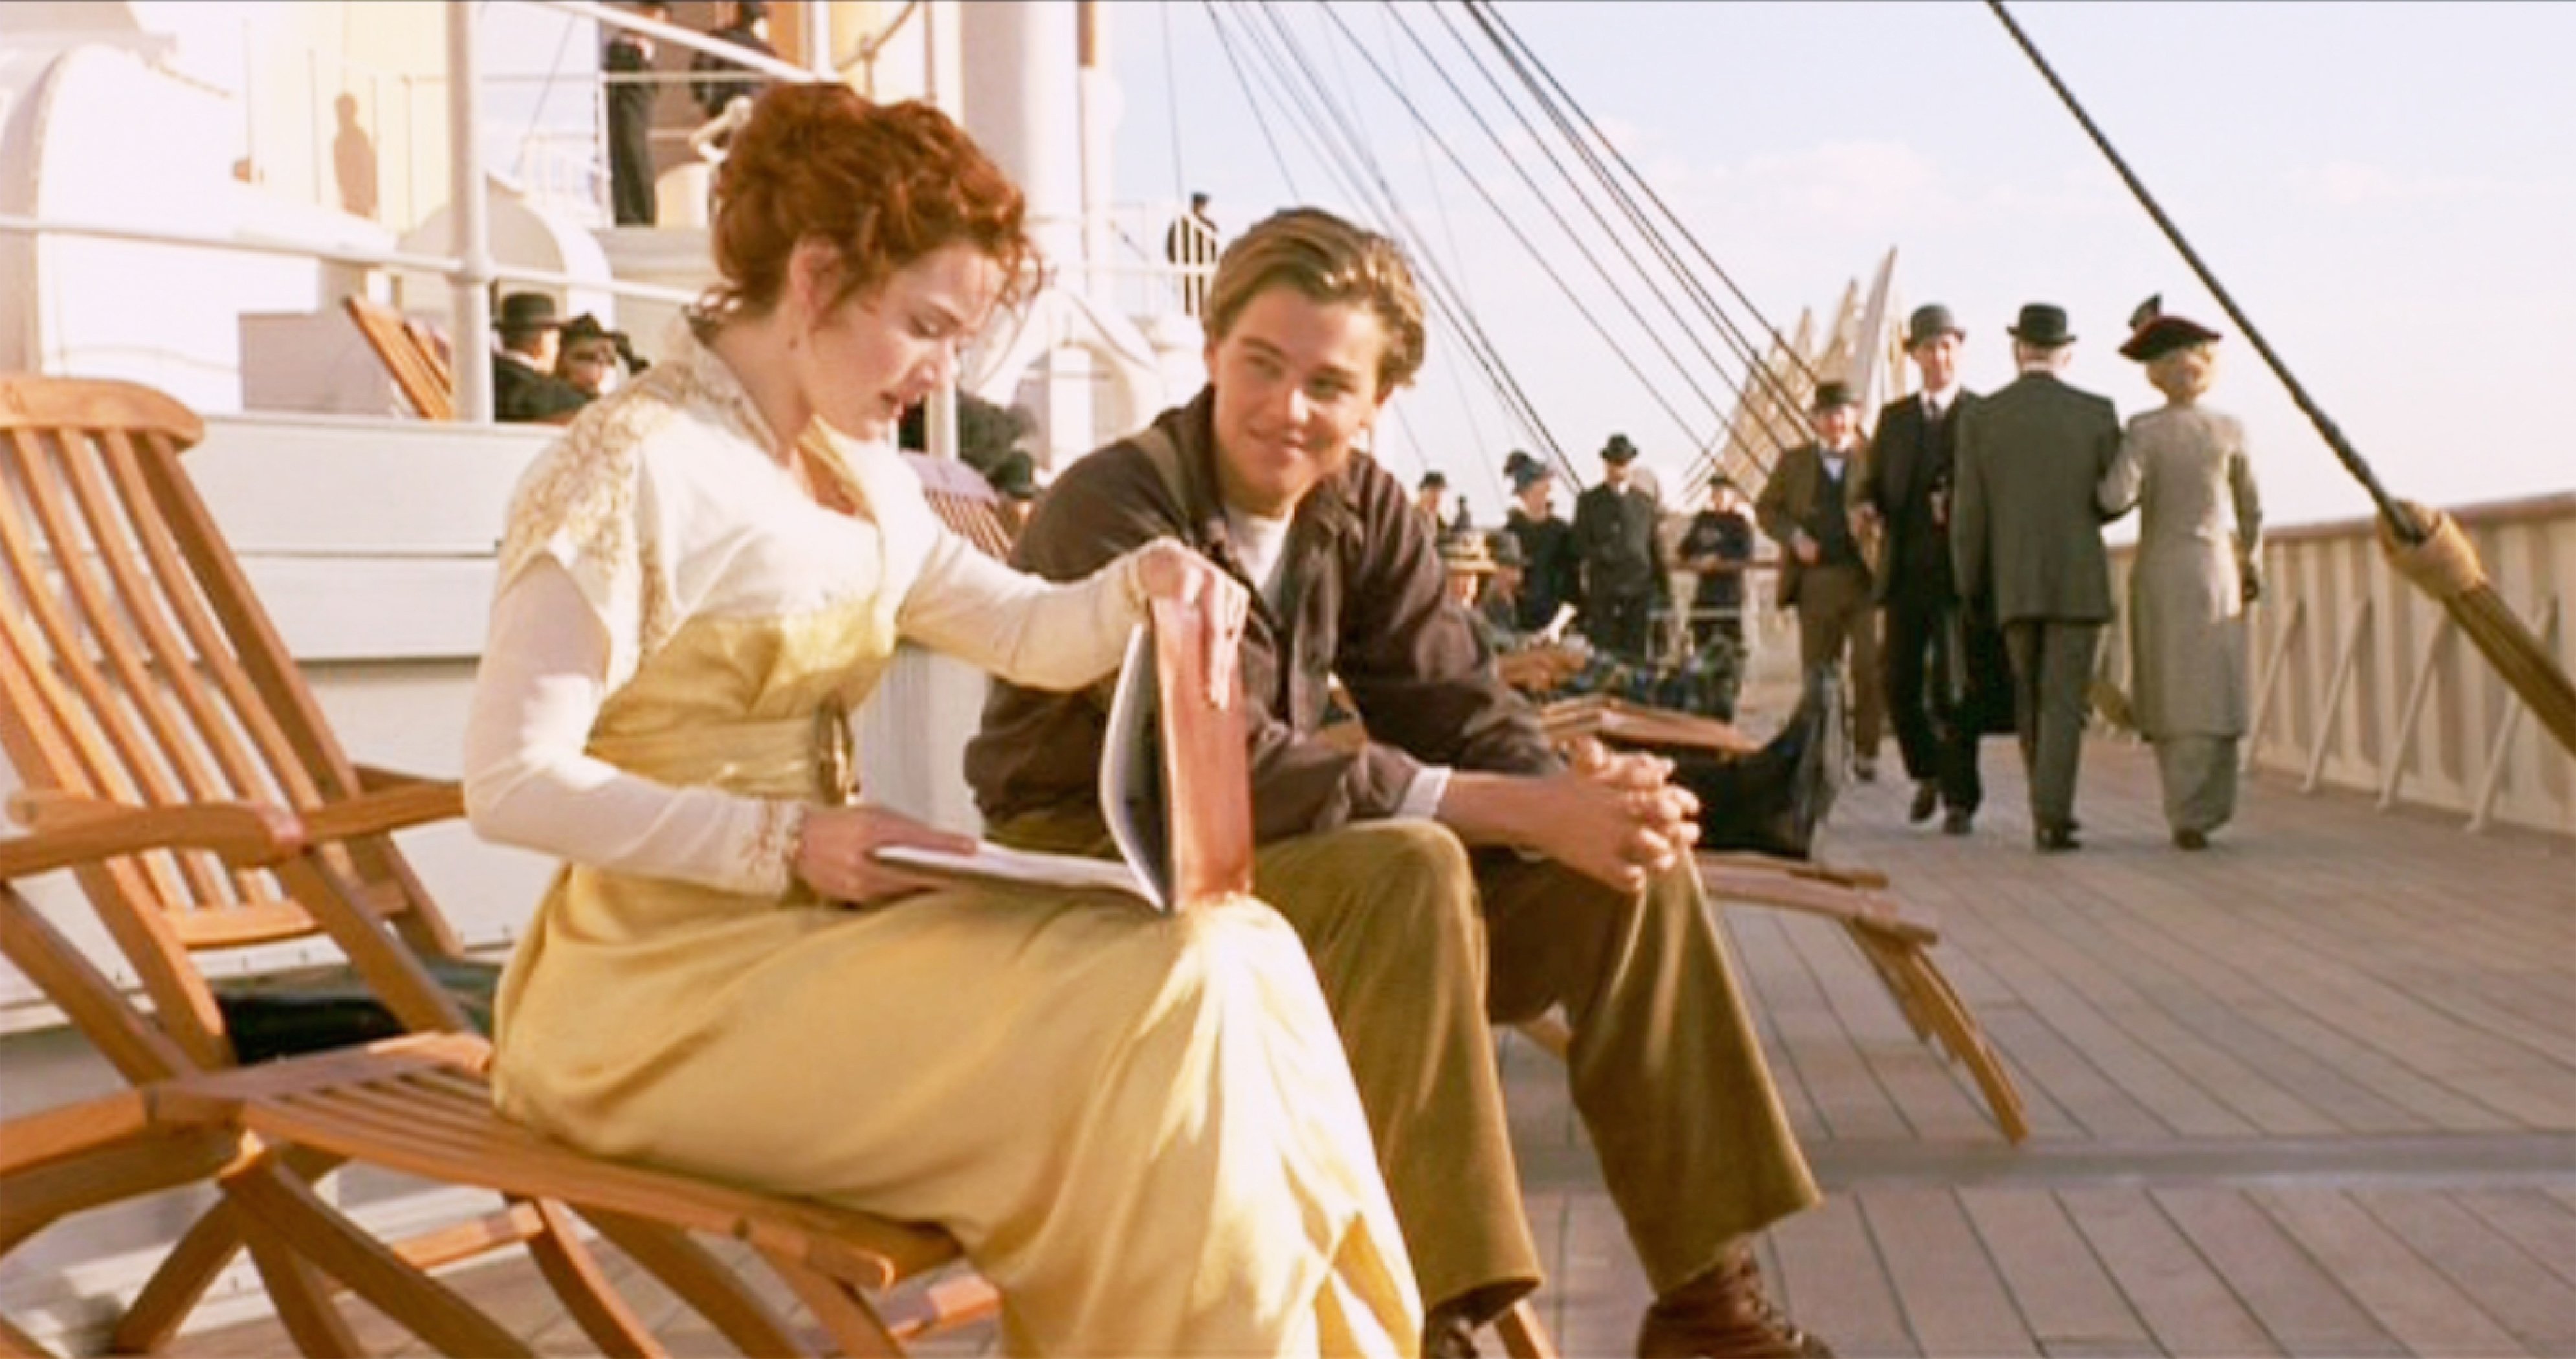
1449, 1332
1724, 1314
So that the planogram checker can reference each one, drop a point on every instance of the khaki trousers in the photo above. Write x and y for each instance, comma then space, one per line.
1418, 946
1835, 613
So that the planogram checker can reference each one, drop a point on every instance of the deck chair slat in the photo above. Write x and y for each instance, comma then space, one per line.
200, 618
169, 588
150, 657
200, 742
411, 353
243, 925
252, 667
31, 536
64, 748
256, 648
139, 1049
242, 715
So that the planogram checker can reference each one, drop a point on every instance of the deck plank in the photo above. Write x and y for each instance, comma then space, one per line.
2180, 1297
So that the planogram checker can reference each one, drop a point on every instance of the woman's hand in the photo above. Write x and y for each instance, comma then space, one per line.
836, 855
1169, 571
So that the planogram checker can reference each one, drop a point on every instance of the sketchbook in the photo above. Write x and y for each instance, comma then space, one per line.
1175, 722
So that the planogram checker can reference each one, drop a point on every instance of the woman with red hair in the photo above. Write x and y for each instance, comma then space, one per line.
1141, 1127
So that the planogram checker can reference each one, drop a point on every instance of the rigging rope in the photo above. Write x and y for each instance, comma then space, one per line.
1756, 371
1448, 230
1535, 253
2397, 514
1172, 105
1487, 15
1244, 80
1598, 267
2424, 544
1437, 287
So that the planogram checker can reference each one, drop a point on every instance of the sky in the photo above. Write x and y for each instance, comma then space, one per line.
2388, 191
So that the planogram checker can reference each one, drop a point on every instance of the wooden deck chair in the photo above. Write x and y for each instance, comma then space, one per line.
416, 355
144, 697
964, 501
417, 1105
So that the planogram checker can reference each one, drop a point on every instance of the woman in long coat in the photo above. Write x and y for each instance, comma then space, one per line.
2199, 533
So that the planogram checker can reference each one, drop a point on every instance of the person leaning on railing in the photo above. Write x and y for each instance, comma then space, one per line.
1140, 1129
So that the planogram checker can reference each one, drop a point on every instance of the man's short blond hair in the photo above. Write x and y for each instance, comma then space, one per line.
1327, 260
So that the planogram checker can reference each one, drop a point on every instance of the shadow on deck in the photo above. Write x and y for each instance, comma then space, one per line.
2310, 1093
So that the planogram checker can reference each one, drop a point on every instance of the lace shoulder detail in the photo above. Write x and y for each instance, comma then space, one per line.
581, 502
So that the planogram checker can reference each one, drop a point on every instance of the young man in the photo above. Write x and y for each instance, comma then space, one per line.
1903, 491
1449, 870
2025, 524
1822, 572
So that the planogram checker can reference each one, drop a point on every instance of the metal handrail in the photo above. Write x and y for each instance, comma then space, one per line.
445, 266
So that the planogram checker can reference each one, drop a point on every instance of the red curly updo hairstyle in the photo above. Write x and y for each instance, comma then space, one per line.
885, 184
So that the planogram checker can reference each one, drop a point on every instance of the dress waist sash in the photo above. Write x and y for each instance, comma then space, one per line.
795, 757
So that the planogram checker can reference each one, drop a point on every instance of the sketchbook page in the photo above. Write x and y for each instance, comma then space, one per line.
1001, 863
1131, 772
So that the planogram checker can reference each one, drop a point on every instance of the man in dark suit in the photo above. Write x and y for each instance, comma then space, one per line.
524, 385
1623, 566
2025, 524
1804, 507
630, 118
1903, 494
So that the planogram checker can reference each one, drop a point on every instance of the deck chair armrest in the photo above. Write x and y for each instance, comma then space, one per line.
391, 802
71, 830
1844, 877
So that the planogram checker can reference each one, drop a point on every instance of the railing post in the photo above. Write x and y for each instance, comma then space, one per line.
2345, 654
2544, 625
2271, 679
472, 224
2401, 750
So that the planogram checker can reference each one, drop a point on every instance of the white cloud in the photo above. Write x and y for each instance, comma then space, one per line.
2349, 183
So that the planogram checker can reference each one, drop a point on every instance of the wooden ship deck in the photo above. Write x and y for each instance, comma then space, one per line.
2310, 1093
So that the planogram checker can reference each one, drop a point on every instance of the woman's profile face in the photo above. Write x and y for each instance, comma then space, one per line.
591, 365
884, 349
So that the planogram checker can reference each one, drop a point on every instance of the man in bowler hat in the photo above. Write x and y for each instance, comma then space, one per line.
1903, 492
524, 385
2025, 525
1623, 568
1804, 507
